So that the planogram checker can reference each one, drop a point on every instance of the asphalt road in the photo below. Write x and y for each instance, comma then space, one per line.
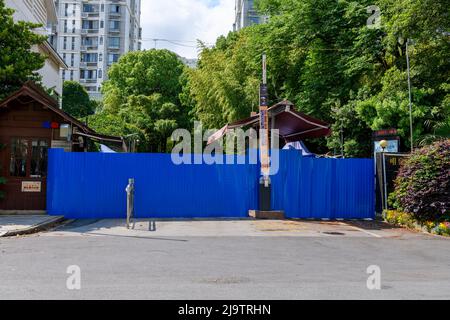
225, 260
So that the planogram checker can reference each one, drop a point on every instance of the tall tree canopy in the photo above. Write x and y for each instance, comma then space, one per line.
76, 100
17, 62
142, 96
325, 57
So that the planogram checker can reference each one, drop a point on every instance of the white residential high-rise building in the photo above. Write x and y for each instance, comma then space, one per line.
42, 12
93, 34
246, 15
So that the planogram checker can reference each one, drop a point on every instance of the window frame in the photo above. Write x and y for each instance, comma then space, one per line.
29, 156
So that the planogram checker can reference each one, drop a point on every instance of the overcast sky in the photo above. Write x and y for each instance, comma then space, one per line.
185, 21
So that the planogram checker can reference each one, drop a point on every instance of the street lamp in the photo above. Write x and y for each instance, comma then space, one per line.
408, 41
383, 144
131, 140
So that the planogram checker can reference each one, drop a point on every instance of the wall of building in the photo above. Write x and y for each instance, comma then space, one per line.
42, 12
94, 34
246, 14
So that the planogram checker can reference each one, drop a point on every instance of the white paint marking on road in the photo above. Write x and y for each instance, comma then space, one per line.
362, 230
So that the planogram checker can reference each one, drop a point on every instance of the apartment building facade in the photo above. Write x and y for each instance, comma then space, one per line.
93, 34
43, 12
246, 15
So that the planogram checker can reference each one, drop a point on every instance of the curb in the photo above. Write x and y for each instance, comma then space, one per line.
34, 228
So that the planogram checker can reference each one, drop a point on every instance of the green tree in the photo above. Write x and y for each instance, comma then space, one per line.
76, 101
324, 57
143, 93
17, 62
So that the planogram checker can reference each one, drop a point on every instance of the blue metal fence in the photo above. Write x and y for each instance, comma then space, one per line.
92, 185
307, 187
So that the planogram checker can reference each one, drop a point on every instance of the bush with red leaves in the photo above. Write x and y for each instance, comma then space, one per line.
422, 187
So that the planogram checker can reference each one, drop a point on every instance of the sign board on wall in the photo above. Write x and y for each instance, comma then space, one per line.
391, 136
31, 186
391, 147
61, 144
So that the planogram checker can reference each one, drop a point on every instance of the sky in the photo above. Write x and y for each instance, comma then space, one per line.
185, 21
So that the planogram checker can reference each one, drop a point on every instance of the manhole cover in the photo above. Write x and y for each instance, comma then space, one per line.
231, 280
334, 233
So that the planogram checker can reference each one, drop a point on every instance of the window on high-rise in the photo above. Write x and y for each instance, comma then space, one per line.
114, 8
88, 74
90, 8
112, 58
90, 41
114, 42
90, 24
114, 25
89, 57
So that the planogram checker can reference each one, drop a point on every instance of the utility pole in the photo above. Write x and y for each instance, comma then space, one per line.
264, 124
410, 95
265, 187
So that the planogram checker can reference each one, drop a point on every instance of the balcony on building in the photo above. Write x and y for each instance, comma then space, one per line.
115, 11
114, 27
114, 43
89, 43
90, 10
90, 26
88, 76
89, 60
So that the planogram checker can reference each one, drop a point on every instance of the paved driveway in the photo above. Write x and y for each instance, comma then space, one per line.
226, 260
234, 228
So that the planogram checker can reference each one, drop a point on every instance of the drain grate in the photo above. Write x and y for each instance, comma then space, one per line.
334, 233
225, 280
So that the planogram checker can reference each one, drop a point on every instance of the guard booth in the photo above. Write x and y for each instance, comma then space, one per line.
31, 122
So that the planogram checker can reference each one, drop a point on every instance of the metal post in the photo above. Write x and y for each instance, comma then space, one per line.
264, 68
264, 124
265, 187
410, 96
130, 201
385, 182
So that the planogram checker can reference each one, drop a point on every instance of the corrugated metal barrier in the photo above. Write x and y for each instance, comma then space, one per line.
92, 185
307, 187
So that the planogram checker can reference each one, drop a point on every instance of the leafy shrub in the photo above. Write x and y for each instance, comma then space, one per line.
442, 229
400, 218
422, 187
